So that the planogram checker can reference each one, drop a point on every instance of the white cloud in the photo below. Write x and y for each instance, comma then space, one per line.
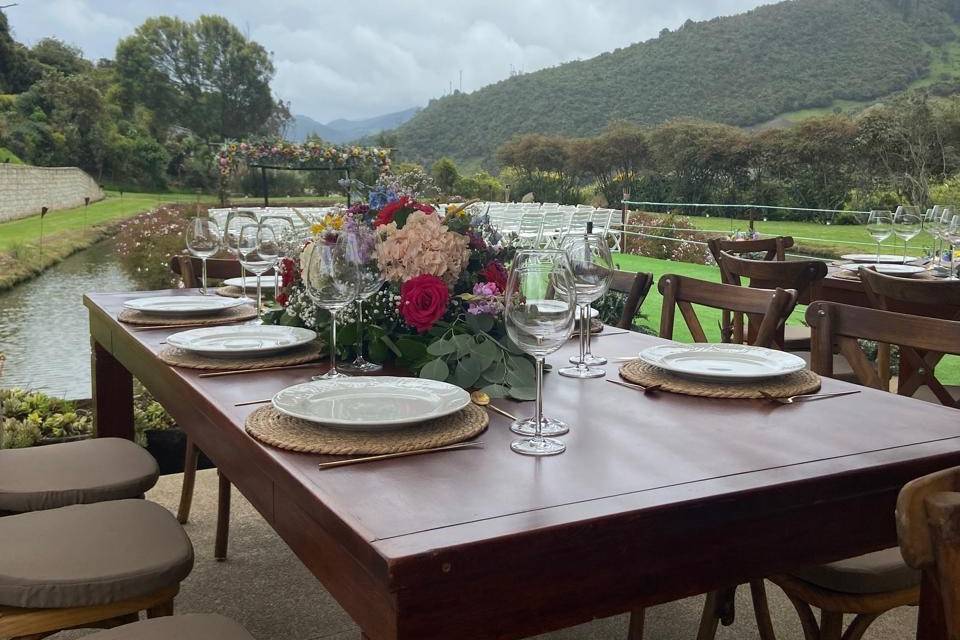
367, 57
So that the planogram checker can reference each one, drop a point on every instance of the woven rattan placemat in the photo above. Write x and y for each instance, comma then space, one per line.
276, 429
179, 358
232, 292
639, 372
235, 314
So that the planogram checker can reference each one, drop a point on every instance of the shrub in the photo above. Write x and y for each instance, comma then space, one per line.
667, 237
29, 416
146, 242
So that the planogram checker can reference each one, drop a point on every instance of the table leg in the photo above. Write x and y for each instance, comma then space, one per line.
930, 621
112, 395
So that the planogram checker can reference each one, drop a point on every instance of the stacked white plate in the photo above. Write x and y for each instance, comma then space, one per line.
885, 258
371, 402
722, 362
266, 282
182, 306
241, 341
902, 270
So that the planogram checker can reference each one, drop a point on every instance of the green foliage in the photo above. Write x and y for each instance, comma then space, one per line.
30, 416
8, 156
480, 185
445, 175
740, 70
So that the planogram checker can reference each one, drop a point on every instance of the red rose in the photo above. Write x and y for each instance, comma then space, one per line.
390, 211
423, 301
496, 273
426, 208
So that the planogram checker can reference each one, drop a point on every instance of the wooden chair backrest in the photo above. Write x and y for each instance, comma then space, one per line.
636, 286
763, 274
190, 269
839, 326
764, 308
775, 248
885, 292
928, 526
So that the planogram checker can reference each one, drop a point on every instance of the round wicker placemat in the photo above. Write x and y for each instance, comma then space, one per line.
243, 312
639, 372
276, 429
300, 355
231, 292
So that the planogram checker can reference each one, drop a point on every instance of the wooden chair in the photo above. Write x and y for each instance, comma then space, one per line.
774, 248
800, 275
917, 297
47, 583
866, 586
636, 286
928, 525
768, 310
188, 269
764, 309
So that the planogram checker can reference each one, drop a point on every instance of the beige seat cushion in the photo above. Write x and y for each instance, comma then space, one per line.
875, 572
91, 554
82, 472
194, 626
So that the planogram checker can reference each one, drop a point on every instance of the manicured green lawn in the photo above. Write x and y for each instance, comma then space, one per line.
948, 371
7, 156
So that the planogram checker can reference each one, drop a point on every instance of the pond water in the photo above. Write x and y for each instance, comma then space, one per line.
43, 323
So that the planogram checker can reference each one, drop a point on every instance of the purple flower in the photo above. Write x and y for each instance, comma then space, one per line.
487, 301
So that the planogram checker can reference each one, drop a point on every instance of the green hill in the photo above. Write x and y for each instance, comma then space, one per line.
742, 70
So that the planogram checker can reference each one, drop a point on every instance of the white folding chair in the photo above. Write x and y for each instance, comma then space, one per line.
530, 229
552, 228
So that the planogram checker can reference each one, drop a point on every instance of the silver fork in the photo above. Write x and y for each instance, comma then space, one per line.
806, 397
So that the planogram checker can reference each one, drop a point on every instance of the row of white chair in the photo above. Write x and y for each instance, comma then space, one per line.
545, 225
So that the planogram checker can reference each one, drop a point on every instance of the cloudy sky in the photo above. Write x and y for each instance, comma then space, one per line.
361, 58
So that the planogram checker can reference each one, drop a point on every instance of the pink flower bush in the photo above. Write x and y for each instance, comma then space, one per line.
423, 246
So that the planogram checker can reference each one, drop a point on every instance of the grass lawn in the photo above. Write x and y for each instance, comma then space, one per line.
948, 371
7, 156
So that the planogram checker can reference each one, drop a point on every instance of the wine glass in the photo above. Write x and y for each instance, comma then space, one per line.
203, 241
332, 279
231, 238
286, 233
538, 312
931, 224
592, 267
907, 225
371, 281
952, 235
259, 252
880, 227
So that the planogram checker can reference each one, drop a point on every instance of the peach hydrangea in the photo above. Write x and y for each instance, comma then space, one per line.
423, 245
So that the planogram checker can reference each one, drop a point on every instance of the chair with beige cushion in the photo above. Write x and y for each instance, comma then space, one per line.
71, 473
89, 565
194, 626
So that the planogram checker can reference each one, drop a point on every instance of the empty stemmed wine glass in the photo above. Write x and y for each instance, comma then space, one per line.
203, 241
286, 233
332, 280
907, 225
259, 252
371, 281
231, 240
592, 267
538, 312
952, 235
931, 224
880, 227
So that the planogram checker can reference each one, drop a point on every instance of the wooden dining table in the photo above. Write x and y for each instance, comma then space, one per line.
657, 497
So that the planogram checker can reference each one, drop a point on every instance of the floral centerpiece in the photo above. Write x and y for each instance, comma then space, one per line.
440, 311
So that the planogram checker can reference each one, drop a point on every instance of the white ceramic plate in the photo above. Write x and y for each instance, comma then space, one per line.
888, 269
885, 258
722, 362
182, 305
241, 340
371, 402
266, 282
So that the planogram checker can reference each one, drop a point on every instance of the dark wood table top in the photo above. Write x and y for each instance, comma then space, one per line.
630, 457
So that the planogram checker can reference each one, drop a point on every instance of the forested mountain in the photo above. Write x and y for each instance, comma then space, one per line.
742, 70
343, 130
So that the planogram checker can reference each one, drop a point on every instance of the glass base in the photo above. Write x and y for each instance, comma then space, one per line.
333, 374
582, 372
361, 366
548, 427
538, 447
589, 359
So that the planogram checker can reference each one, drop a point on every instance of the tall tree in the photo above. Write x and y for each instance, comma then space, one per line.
204, 75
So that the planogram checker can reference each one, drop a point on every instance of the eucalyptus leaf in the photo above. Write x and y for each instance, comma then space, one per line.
387, 340
468, 372
465, 343
441, 347
495, 390
496, 372
481, 323
523, 392
412, 350
378, 352
436, 369
487, 349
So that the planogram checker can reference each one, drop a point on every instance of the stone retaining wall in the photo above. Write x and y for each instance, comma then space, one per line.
25, 189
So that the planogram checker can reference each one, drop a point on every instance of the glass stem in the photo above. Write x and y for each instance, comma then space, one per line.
583, 338
203, 261
588, 322
258, 297
359, 330
333, 340
276, 281
878, 252
952, 275
905, 251
538, 409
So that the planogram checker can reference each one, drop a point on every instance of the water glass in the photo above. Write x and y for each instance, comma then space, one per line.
952, 236
880, 227
259, 252
231, 240
371, 281
592, 266
203, 241
539, 312
907, 225
332, 280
